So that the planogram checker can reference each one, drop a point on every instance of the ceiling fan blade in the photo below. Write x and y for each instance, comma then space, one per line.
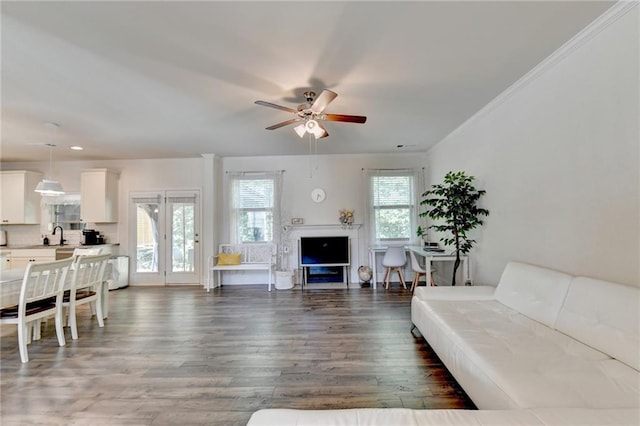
270, 105
284, 123
325, 131
342, 117
323, 100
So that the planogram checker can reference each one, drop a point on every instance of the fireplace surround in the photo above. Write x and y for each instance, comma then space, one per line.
349, 272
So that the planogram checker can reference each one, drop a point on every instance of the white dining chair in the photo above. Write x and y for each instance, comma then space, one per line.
394, 260
86, 287
92, 251
40, 298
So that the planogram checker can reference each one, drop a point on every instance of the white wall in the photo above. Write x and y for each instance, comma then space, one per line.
341, 177
559, 160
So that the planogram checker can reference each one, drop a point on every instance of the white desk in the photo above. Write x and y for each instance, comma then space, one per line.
429, 256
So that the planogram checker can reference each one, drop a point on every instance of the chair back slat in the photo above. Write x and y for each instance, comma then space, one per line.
88, 271
43, 281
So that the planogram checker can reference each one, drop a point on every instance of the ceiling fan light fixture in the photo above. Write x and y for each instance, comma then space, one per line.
319, 133
313, 127
300, 130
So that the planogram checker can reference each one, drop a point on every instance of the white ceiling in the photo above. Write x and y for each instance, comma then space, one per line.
130, 80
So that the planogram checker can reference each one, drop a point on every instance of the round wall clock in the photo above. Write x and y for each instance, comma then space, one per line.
318, 195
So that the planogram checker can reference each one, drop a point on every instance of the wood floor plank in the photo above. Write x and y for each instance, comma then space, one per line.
179, 355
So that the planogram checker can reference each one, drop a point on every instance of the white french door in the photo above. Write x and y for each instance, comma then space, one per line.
166, 236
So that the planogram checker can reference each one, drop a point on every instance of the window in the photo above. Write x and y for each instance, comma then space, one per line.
254, 215
64, 211
392, 204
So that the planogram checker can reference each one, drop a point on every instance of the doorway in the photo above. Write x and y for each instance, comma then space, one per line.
166, 236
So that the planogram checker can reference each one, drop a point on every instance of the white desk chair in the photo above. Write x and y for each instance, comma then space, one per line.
86, 287
419, 271
40, 298
394, 260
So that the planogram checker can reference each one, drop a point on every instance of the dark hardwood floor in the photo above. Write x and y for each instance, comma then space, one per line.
179, 355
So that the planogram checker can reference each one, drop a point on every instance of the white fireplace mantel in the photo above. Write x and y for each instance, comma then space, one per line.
295, 232
319, 227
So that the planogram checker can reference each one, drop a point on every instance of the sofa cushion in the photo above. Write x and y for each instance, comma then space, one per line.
390, 417
515, 356
533, 291
587, 417
408, 417
605, 316
475, 292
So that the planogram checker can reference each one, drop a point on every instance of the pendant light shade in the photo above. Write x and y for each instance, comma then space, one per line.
49, 187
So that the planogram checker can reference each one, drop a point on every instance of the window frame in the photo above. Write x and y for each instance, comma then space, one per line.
415, 183
235, 212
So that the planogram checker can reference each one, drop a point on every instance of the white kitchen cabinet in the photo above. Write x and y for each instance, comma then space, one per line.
20, 258
99, 196
20, 203
5, 260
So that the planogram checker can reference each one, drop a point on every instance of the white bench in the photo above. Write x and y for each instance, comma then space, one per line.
253, 257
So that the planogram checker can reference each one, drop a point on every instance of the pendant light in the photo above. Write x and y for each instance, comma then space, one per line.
50, 187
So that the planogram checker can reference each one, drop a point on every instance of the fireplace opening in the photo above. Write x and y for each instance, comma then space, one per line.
325, 274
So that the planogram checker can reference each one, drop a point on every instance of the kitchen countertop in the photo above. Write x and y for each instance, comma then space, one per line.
53, 246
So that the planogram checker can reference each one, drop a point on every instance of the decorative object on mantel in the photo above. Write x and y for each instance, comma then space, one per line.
346, 218
454, 203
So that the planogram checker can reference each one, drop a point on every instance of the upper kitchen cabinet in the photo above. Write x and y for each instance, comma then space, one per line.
20, 202
99, 196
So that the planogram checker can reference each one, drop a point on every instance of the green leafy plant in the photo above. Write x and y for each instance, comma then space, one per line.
453, 204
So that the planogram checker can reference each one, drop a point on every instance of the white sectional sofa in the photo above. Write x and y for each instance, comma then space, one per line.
543, 347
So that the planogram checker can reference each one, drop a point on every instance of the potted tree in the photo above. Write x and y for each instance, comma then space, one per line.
421, 233
454, 204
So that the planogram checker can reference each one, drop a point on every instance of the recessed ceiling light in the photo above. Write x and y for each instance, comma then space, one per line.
77, 148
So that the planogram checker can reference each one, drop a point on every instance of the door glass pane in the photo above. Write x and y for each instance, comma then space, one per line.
147, 237
182, 237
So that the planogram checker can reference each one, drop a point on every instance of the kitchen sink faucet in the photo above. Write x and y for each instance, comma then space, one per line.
62, 240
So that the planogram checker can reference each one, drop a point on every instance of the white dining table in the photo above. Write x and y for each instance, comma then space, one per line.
11, 283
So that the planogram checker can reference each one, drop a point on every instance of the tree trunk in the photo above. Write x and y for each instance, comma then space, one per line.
457, 262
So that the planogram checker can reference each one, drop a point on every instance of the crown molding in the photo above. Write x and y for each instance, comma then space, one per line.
611, 15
